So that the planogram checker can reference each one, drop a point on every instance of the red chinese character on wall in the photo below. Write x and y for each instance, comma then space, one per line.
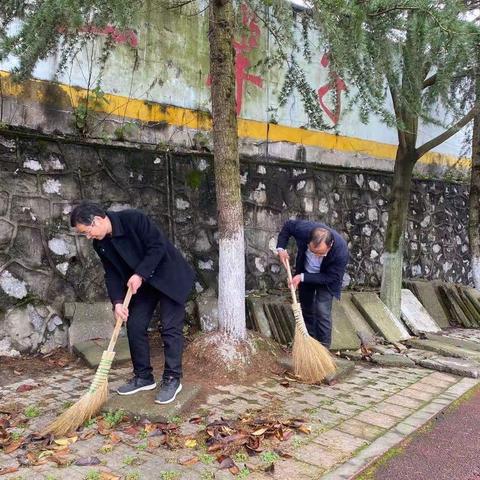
338, 86
242, 63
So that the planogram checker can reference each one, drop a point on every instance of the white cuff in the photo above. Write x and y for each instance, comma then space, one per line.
301, 276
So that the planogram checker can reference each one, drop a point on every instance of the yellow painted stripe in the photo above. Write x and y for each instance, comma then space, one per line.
67, 97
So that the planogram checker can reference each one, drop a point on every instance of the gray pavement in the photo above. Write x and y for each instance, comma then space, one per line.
352, 423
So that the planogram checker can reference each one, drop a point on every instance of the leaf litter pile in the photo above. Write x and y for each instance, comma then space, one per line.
249, 435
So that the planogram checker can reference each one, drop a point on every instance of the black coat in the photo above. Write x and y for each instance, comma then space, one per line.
140, 247
334, 263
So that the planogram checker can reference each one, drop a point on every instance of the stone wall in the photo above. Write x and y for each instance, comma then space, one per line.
43, 264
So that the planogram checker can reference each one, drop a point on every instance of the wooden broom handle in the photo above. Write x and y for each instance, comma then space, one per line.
118, 325
292, 288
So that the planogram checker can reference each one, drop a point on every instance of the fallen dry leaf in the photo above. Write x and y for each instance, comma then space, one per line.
195, 420
65, 441
6, 470
25, 388
188, 461
225, 462
12, 446
156, 441
87, 435
305, 429
259, 432
108, 476
115, 438
191, 443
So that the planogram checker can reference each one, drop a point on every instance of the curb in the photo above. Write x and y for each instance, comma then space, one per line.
397, 434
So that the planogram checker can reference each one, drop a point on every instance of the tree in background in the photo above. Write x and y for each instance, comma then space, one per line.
474, 197
412, 54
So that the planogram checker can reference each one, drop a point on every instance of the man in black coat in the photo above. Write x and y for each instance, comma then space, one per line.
321, 262
135, 254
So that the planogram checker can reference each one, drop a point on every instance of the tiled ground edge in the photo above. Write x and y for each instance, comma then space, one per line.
353, 467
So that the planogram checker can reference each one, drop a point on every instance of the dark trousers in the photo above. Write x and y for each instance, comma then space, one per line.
316, 302
172, 316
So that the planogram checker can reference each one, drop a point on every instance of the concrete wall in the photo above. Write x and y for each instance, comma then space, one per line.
163, 60
42, 264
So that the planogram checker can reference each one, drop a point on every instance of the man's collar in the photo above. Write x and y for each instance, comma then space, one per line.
117, 227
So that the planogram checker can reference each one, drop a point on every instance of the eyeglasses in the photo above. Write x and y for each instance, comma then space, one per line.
86, 229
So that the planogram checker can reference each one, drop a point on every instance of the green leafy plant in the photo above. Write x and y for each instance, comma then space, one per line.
244, 473
240, 457
125, 130
93, 475
129, 460
269, 456
83, 113
169, 475
132, 476
16, 435
206, 458
114, 417
32, 411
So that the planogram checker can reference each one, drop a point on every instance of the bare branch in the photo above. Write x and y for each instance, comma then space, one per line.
438, 140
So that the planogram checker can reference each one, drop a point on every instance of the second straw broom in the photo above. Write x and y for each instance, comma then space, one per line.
97, 394
312, 362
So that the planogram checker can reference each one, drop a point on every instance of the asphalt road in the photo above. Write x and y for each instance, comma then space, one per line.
450, 451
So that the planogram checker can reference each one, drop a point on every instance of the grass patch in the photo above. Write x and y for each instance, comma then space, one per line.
32, 411
114, 417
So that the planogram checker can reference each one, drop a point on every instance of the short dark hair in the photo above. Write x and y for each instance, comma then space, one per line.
321, 235
85, 212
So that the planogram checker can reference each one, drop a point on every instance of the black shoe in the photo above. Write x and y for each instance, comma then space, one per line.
169, 389
136, 384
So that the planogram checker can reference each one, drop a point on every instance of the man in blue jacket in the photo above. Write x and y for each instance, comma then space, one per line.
321, 262
135, 254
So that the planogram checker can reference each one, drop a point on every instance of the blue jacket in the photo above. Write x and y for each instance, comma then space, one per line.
140, 247
333, 264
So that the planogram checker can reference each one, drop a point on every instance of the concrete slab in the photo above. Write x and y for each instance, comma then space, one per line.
356, 318
380, 318
426, 292
415, 315
344, 336
91, 351
454, 304
444, 348
456, 366
456, 342
143, 404
89, 321
392, 360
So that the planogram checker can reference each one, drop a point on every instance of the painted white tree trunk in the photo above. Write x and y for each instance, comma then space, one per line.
231, 285
476, 271
391, 289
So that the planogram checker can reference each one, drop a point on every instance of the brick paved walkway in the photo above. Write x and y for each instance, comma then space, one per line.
345, 421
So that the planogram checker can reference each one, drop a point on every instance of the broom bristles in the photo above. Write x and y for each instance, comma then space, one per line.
88, 405
312, 362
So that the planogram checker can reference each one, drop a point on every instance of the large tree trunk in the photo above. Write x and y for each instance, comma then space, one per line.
474, 199
393, 255
231, 278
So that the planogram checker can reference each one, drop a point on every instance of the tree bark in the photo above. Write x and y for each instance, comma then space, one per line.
390, 291
231, 277
474, 198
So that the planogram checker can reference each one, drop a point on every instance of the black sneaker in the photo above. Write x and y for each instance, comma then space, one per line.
169, 389
136, 384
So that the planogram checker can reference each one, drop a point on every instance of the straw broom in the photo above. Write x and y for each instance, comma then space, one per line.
312, 362
97, 394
